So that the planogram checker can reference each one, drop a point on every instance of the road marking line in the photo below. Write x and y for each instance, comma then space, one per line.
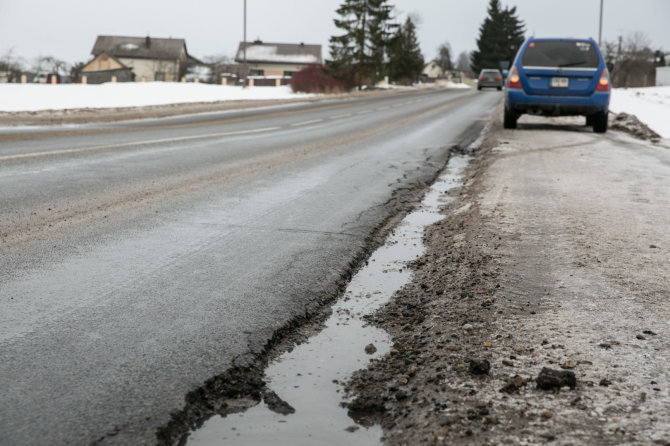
299, 124
364, 112
383, 108
346, 115
131, 144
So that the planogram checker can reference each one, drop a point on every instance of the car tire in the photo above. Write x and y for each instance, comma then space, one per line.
499, 88
479, 88
600, 123
509, 119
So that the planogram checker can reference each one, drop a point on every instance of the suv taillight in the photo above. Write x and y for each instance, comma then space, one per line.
514, 79
604, 81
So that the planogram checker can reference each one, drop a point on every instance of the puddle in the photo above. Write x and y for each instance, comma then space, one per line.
309, 377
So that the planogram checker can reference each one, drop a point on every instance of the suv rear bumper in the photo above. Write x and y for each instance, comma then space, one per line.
492, 84
520, 102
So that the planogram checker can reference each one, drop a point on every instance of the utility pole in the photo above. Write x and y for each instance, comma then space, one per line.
600, 30
244, 47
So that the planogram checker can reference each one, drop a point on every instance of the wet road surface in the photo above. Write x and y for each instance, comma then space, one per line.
140, 259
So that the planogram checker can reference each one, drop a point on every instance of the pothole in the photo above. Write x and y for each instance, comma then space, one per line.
303, 403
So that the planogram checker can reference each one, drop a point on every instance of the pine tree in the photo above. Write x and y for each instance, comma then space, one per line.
405, 59
515, 31
362, 48
500, 37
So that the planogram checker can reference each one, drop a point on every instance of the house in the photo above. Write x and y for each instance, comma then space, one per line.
277, 59
229, 73
106, 68
148, 58
432, 70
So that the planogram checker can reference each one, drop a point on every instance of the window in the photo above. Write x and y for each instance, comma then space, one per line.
562, 54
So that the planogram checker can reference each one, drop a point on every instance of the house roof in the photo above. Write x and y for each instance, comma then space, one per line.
140, 47
102, 54
279, 53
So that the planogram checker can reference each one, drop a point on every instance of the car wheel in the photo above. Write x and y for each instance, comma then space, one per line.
600, 123
509, 120
478, 87
499, 88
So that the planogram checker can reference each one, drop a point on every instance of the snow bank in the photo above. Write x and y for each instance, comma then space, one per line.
438, 83
33, 97
650, 105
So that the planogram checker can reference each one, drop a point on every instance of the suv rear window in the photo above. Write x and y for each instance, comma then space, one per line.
560, 54
491, 73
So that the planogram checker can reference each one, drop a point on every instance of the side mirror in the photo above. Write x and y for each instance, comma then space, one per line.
610, 66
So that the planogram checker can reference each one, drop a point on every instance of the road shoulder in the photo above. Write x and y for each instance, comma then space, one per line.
551, 258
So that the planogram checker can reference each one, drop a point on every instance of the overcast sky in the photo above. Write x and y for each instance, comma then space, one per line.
66, 29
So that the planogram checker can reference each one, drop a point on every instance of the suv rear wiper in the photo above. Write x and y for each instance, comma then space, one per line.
572, 64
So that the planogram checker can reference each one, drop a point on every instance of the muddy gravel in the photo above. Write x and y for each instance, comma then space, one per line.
539, 313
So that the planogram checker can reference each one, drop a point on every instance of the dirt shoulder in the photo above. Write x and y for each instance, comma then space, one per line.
554, 256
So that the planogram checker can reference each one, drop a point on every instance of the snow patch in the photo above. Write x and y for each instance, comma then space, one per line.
651, 106
33, 97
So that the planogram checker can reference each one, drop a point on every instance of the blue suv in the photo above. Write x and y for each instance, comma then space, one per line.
559, 77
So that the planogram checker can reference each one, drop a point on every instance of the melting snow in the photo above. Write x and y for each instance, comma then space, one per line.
651, 105
32, 97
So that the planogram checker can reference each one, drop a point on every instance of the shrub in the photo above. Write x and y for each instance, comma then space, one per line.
317, 79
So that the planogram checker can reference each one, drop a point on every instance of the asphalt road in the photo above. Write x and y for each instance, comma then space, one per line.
139, 259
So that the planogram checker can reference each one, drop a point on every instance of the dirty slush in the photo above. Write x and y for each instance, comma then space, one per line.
463, 368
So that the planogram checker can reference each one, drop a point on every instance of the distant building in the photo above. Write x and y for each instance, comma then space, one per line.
663, 76
278, 59
147, 58
433, 71
233, 73
105, 68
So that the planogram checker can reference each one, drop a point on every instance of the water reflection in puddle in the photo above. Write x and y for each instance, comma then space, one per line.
308, 378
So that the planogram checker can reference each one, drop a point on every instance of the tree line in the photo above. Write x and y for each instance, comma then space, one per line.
373, 46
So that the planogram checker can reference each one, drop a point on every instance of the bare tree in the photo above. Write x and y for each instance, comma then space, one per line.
50, 64
633, 60
443, 59
463, 63
12, 65
216, 59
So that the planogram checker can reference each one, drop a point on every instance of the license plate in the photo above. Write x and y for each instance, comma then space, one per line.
559, 82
